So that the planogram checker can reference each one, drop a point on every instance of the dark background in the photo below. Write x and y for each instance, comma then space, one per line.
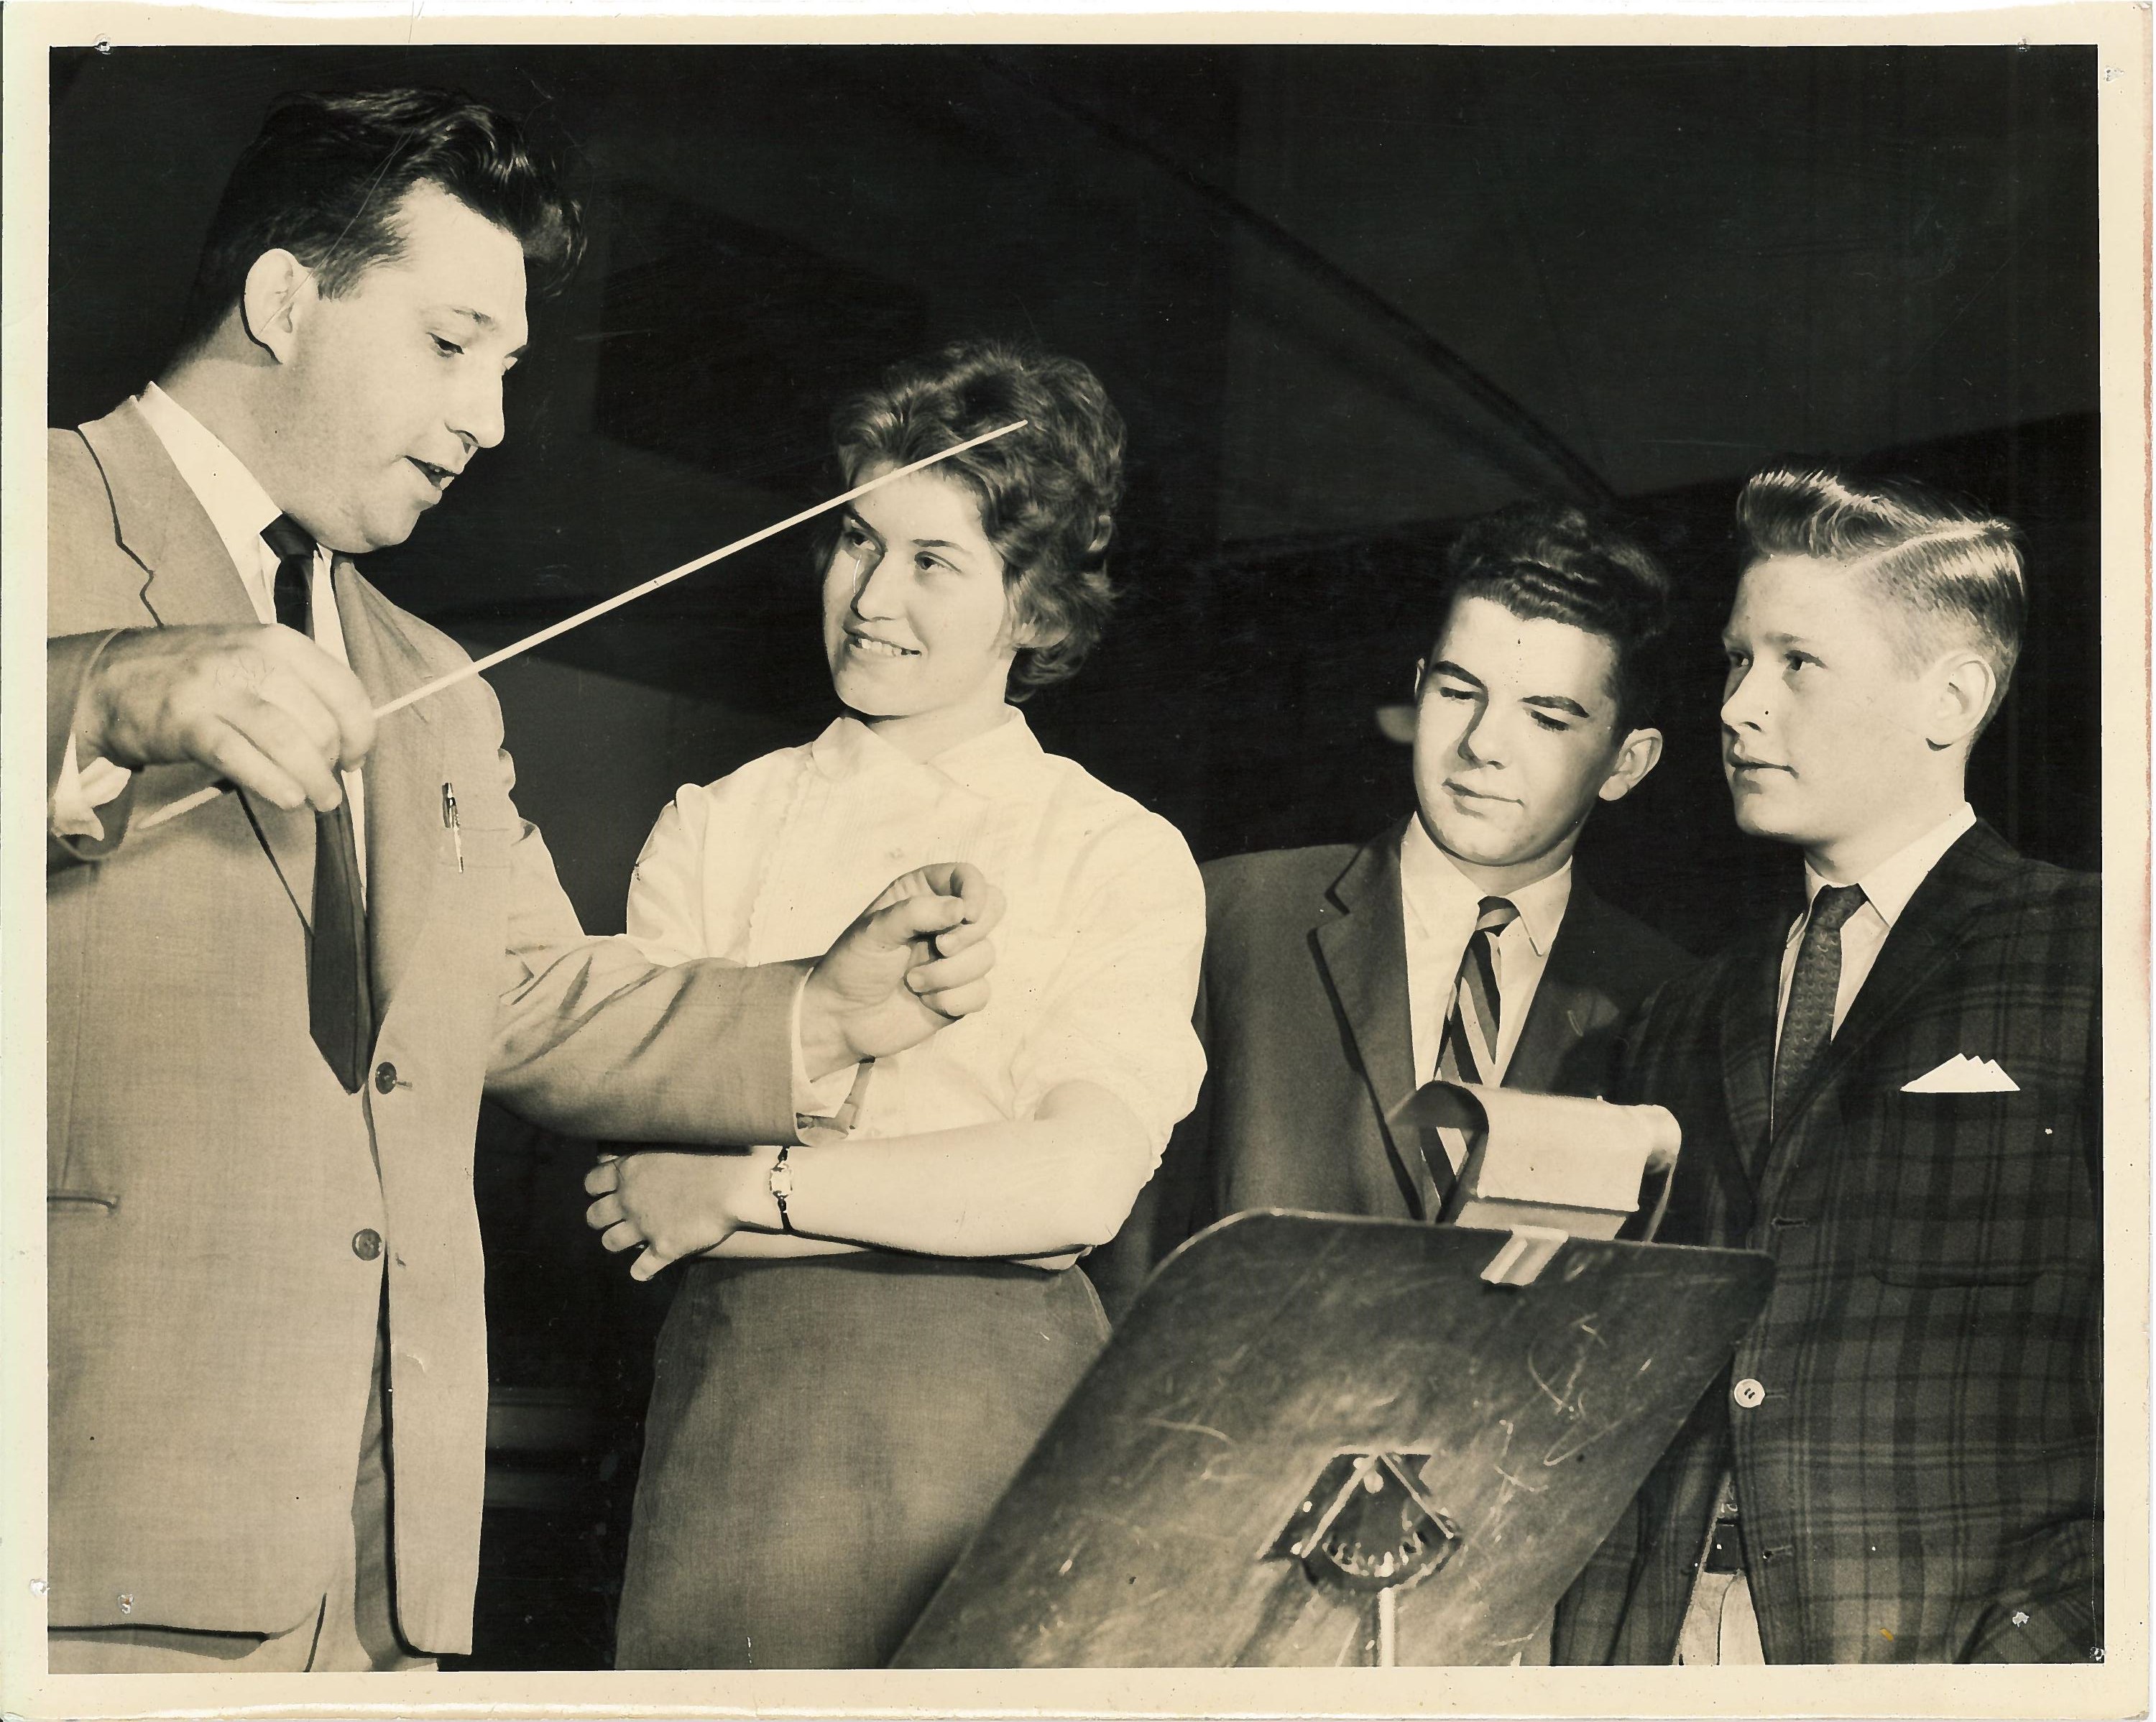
1345, 297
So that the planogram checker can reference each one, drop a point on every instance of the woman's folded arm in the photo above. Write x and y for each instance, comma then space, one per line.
1040, 1188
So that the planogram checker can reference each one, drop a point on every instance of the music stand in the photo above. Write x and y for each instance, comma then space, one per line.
1312, 1432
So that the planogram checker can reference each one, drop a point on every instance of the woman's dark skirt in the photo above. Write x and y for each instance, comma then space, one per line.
824, 1438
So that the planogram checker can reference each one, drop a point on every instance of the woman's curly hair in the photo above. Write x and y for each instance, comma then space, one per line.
1047, 493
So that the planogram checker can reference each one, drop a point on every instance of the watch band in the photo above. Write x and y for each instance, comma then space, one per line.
782, 1187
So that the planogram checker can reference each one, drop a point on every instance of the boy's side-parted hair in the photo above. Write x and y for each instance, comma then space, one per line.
323, 179
1552, 561
1948, 567
1047, 493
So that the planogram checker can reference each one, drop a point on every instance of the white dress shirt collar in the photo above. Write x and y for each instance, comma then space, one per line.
1887, 889
998, 760
1888, 886
237, 505
1435, 892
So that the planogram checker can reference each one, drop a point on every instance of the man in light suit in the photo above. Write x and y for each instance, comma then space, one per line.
270, 1020
1337, 981
1892, 1088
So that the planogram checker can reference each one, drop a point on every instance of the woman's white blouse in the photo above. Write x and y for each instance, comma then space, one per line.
1097, 954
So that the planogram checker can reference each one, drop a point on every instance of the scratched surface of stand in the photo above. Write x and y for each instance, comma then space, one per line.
1142, 1531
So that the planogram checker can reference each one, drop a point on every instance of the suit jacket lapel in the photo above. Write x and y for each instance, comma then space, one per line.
188, 575
1747, 1055
403, 783
1566, 1008
1364, 952
189, 580
1924, 936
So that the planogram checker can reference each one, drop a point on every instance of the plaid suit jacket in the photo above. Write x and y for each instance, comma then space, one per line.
1920, 1480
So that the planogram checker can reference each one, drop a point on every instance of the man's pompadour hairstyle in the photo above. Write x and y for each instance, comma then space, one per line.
1946, 565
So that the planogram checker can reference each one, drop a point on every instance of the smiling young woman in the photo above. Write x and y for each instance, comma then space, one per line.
876, 1325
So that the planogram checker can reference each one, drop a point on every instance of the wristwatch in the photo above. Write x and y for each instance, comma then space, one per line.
782, 1186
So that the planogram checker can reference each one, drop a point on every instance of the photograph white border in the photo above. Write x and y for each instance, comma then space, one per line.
2118, 1687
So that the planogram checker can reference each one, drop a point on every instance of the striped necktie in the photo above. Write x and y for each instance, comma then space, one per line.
340, 1007
1468, 1053
1808, 1024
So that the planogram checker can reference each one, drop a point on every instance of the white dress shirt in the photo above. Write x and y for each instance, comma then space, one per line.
1887, 889
1441, 905
238, 509
1097, 954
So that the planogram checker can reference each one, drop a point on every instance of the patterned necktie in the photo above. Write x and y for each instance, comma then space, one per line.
340, 1009
1468, 1053
1808, 1024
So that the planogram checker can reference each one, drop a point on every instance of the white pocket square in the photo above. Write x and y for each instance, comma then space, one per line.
1963, 1074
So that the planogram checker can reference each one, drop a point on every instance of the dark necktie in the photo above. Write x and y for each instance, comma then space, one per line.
1808, 1024
340, 1009
1468, 1053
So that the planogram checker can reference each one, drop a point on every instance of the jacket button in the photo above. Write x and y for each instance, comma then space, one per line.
1748, 1393
385, 1076
366, 1245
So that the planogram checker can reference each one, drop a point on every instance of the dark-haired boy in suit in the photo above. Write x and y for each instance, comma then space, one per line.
1891, 1089
1339, 980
